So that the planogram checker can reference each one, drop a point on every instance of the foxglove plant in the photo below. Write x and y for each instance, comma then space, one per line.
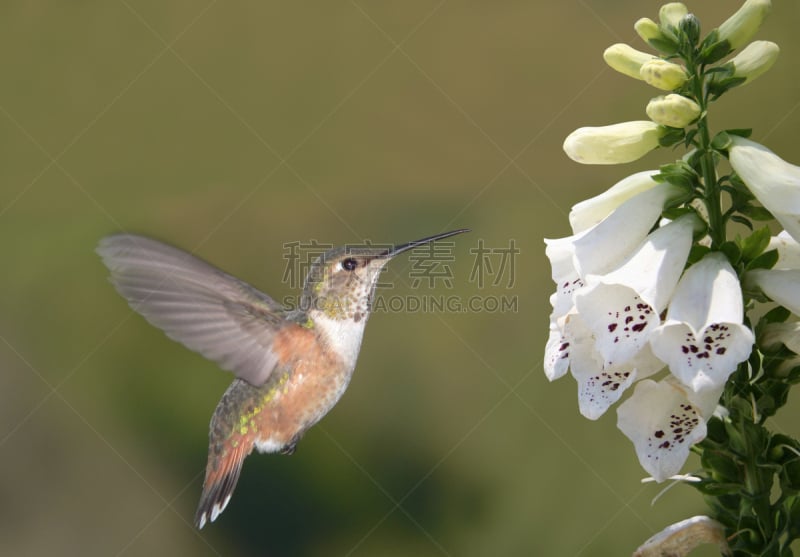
654, 296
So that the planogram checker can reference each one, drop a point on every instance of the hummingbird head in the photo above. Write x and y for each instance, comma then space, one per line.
341, 282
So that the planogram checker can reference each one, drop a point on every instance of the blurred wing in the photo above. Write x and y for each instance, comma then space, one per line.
224, 319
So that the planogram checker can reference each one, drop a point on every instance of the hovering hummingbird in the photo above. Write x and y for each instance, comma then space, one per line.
291, 365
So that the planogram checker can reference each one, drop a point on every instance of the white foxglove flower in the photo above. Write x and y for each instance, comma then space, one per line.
743, 25
663, 75
788, 251
622, 308
703, 338
781, 285
591, 211
663, 420
773, 181
754, 60
626, 59
595, 250
673, 110
614, 144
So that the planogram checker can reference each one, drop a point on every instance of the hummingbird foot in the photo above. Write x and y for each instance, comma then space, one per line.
290, 447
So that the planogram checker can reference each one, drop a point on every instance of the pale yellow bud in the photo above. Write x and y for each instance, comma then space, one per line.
672, 13
626, 59
648, 29
673, 110
614, 144
663, 75
743, 25
755, 59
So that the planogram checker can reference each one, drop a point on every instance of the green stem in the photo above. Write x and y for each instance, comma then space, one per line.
711, 197
716, 222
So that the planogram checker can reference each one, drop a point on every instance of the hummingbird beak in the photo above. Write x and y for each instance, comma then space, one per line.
410, 245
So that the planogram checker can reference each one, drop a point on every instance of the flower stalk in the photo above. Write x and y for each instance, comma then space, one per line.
678, 302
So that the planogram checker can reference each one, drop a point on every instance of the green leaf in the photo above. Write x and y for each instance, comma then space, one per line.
678, 173
754, 212
731, 251
755, 244
714, 52
664, 45
776, 315
698, 252
742, 220
741, 132
688, 141
717, 88
766, 260
672, 136
792, 474
716, 431
722, 466
793, 510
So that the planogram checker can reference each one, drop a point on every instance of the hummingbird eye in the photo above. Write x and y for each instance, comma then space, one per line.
349, 264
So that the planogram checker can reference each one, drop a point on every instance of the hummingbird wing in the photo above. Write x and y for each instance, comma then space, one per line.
207, 310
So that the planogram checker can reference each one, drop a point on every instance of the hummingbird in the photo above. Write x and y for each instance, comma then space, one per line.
292, 365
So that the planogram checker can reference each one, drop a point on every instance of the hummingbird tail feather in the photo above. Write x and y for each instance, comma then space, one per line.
222, 473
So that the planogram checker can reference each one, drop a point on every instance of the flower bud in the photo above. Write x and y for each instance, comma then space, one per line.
675, 111
626, 59
648, 29
614, 144
690, 26
755, 59
672, 13
662, 74
743, 25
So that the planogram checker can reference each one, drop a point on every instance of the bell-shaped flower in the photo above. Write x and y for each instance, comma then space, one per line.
591, 211
663, 75
703, 338
602, 247
675, 111
663, 420
622, 307
614, 144
626, 59
772, 180
743, 25
597, 249
599, 387
754, 60
671, 14
781, 285
788, 251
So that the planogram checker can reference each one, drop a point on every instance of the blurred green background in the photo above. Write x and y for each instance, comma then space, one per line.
232, 128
